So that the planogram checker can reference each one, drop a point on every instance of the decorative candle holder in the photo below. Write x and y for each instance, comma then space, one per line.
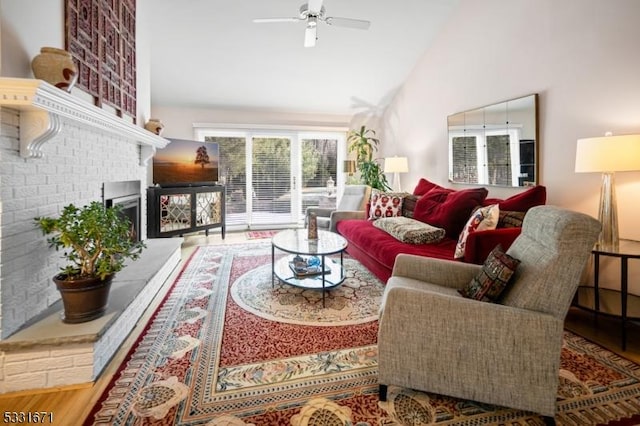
313, 227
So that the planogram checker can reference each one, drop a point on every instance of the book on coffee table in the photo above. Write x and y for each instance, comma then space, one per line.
300, 267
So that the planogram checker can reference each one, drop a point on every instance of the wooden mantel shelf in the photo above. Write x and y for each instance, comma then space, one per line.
42, 105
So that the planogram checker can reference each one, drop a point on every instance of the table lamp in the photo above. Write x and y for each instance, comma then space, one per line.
349, 167
608, 154
396, 165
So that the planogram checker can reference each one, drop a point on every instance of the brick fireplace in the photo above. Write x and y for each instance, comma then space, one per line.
55, 150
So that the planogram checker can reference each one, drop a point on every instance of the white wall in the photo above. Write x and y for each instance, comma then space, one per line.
581, 56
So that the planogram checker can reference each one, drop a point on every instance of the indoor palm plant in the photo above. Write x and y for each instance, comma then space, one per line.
364, 143
96, 241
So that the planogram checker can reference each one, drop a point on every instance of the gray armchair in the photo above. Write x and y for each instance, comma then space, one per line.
352, 205
508, 354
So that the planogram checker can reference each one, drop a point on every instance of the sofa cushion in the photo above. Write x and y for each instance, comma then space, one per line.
424, 186
493, 278
521, 202
510, 219
483, 218
385, 204
364, 237
409, 230
448, 209
409, 205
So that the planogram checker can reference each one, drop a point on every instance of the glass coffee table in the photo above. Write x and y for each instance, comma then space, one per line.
328, 273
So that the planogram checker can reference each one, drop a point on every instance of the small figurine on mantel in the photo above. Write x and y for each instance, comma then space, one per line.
154, 125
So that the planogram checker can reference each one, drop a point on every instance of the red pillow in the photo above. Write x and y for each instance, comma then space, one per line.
521, 202
424, 186
448, 209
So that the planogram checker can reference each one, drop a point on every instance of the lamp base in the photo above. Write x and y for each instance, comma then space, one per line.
608, 213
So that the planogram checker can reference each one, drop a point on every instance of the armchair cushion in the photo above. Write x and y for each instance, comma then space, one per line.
493, 278
409, 230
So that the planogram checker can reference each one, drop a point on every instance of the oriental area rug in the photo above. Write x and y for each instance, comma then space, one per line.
227, 348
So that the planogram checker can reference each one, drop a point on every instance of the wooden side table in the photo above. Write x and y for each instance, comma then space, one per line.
627, 250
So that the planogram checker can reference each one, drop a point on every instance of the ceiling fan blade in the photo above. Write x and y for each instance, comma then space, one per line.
314, 7
348, 22
310, 36
269, 20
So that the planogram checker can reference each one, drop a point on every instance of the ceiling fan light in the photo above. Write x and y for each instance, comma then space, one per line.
310, 36
312, 21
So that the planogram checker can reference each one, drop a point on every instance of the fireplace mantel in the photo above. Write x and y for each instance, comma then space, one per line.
42, 105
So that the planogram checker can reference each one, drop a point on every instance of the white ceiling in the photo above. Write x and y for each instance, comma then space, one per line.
209, 53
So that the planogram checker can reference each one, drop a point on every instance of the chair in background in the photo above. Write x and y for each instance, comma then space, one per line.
352, 205
433, 339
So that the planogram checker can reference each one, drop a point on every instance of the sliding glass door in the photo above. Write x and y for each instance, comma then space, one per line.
271, 177
272, 197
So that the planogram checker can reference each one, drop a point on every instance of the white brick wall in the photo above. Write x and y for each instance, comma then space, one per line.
76, 163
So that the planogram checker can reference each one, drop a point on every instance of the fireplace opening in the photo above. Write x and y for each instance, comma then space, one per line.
127, 195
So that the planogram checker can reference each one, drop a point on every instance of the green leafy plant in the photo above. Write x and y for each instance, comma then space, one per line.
364, 143
95, 240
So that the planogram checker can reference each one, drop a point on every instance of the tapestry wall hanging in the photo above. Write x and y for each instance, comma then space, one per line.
101, 37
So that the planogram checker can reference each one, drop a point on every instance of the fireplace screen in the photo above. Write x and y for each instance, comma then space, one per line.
125, 194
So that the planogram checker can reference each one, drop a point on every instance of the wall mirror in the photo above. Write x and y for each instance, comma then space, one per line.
496, 144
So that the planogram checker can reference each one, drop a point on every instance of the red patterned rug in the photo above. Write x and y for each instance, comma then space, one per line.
257, 235
205, 360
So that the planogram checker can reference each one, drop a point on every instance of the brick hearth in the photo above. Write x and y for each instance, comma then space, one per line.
49, 353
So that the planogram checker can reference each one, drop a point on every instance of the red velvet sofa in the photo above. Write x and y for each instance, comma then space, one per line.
377, 249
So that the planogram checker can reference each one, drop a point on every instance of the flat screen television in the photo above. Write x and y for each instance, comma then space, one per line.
186, 163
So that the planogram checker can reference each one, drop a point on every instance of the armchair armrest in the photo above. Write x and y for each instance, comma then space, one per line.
479, 244
339, 215
320, 211
446, 273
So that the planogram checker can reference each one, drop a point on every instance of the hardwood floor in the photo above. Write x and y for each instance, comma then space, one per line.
71, 405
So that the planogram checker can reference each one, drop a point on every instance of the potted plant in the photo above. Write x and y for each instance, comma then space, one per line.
364, 143
96, 241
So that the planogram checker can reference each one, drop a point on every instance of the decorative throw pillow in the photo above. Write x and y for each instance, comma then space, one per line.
409, 205
523, 201
448, 209
510, 219
482, 219
424, 186
491, 281
409, 230
385, 204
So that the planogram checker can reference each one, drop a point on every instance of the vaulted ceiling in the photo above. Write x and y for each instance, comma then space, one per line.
210, 53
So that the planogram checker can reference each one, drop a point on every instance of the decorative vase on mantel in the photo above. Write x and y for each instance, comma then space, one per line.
55, 66
154, 125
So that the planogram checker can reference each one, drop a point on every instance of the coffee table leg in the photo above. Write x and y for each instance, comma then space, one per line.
273, 263
323, 280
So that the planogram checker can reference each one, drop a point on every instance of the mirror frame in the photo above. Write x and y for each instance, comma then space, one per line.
514, 122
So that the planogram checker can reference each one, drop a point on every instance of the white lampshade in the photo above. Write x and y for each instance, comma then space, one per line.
396, 165
608, 154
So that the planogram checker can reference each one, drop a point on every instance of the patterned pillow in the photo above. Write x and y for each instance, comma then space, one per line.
385, 204
410, 230
482, 219
510, 219
409, 205
491, 281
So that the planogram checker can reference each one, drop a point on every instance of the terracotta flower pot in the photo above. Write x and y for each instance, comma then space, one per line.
85, 299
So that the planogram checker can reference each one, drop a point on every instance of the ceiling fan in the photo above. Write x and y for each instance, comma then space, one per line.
313, 12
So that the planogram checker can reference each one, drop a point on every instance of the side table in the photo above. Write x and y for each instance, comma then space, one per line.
627, 250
